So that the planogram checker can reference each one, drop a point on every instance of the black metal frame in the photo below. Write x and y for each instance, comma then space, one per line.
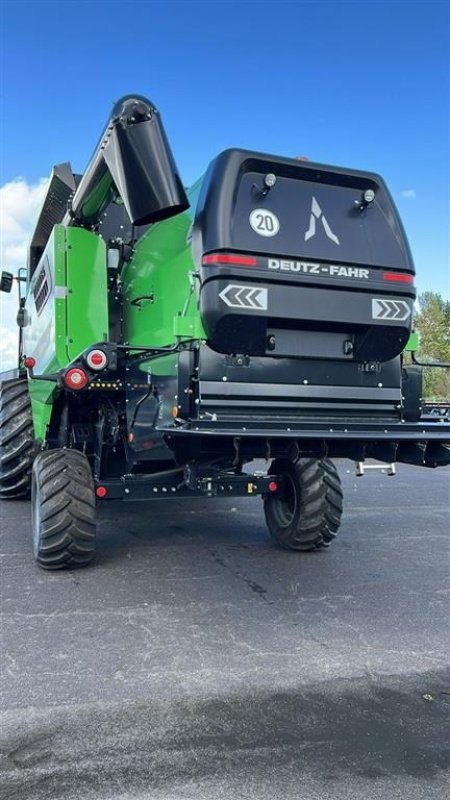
186, 482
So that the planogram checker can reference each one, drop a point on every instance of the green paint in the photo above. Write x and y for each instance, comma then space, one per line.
188, 327
87, 298
42, 395
413, 342
98, 197
160, 301
73, 316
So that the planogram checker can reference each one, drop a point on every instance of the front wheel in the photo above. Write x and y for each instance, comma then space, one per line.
305, 513
17, 445
63, 509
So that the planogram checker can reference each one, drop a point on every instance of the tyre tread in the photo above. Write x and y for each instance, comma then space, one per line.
319, 509
17, 446
63, 509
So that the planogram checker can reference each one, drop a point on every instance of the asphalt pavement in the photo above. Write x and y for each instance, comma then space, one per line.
196, 660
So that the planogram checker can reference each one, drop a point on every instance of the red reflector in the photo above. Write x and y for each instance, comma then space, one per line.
96, 359
226, 258
273, 486
399, 277
75, 378
30, 362
101, 491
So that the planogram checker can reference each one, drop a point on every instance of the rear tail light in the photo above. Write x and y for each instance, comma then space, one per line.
96, 359
75, 378
230, 258
29, 362
398, 277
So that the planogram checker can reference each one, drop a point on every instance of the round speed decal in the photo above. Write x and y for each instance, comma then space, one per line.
264, 222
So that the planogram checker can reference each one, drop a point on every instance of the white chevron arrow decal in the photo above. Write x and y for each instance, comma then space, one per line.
397, 310
237, 296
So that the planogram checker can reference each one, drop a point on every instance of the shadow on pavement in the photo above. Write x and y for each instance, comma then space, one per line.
368, 728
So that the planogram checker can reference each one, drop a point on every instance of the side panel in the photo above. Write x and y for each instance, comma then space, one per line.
87, 291
42, 395
66, 310
44, 336
159, 301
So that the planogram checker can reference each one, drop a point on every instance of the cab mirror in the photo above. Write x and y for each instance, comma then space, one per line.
6, 282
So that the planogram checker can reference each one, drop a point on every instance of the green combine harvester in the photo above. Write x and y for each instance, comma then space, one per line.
169, 337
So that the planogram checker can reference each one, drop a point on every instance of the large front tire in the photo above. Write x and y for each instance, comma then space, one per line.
17, 445
306, 512
63, 509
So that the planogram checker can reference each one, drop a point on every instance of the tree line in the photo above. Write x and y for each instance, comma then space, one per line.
432, 321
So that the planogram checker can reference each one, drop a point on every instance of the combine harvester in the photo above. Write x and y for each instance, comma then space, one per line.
168, 338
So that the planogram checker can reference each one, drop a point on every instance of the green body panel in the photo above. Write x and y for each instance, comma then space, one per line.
87, 299
42, 395
72, 279
413, 342
45, 333
160, 302
98, 196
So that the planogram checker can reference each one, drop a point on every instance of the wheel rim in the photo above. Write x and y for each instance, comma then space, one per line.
285, 504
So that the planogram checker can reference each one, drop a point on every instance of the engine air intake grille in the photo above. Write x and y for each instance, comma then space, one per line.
41, 289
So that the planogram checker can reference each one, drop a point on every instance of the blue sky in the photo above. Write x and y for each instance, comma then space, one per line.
362, 84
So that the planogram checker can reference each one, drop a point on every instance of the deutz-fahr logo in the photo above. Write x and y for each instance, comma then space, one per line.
317, 215
334, 270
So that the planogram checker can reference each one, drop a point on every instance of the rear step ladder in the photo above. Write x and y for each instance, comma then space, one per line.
361, 468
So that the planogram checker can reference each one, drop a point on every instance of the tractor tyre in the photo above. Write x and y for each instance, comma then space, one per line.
17, 445
62, 509
305, 513
334, 501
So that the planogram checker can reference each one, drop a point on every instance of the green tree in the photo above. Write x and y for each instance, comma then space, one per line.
432, 320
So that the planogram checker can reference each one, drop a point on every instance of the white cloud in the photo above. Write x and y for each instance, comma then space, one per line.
410, 193
20, 203
8, 349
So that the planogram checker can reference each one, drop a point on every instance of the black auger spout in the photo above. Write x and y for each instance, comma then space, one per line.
133, 161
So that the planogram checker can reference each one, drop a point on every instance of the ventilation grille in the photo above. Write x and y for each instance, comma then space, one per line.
41, 289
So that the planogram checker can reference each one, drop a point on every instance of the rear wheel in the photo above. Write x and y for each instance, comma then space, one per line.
63, 509
334, 501
17, 445
305, 513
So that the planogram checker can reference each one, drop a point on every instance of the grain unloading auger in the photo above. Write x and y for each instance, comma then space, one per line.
169, 338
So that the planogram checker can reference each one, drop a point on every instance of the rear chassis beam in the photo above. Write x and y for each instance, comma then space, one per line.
185, 483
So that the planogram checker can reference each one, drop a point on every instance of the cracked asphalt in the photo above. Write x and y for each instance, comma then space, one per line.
194, 659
